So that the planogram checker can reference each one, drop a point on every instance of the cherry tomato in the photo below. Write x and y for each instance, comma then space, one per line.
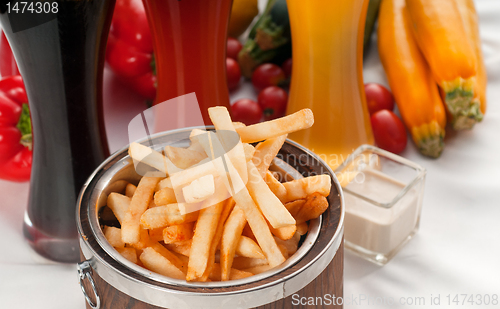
246, 111
266, 75
233, 73
273, 102
389, 131
233, 48
378, 98
287, 67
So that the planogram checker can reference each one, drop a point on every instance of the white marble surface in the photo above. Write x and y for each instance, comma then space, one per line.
455, 252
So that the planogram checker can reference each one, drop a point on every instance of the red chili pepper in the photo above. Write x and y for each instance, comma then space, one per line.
8, 64
130, 48
15, 130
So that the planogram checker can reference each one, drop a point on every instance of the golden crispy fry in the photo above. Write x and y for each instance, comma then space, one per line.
228, 208
128, 253
249, 151
283, 233
199, 189
119, 204
301, 188
302, 228
165, 196
186, 176
275, 186
151, 157
248, 248
202, 238
156, 234
224, 125
144, 240
238, 125
129, 190
315, 205
283, 250
178, 232
295, 206
290, 245
183, 157
138, 205
166, 215
270, 206
180, 247
266, 151
156, 262
240, 262
259, 227
230, 238
300, 120
235, 274
173, 258
114, 236
258, 269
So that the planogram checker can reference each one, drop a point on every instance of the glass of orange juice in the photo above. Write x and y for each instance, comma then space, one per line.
327, 48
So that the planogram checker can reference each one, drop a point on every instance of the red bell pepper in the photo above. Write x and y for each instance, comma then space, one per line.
130, 48
8, 64
15, 130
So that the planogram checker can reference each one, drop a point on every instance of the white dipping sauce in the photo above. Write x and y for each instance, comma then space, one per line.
373, 227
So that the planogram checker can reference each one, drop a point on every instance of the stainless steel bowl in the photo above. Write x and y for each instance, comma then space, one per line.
158, 290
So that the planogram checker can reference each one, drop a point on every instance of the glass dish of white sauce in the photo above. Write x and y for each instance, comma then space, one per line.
383, 195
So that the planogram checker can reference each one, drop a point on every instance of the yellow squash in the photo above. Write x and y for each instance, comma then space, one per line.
441, 36
470, 20
410, 79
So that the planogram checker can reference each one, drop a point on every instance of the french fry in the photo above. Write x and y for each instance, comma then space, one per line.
230, 238
290, 244
164, 183
138, 205
237, 124
248, 248
165, 196
129, 190
235, 274
128, 253
295, 206
301, 188
144, 240
258, 269
119, 204
283, 250
259, 227
199, 189
178, 232
151, 157
174, 259
315, 205
156, 262
202, 238
300, 120
114, 236
228, 208
186, 176
223, 124
275, 186
283, 233
270, 206
182, 157
241, 262
180, 247
156, 234
266, 151
166, 215
302, 228
249, 151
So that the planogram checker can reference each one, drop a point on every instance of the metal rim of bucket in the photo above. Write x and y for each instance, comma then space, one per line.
153, 288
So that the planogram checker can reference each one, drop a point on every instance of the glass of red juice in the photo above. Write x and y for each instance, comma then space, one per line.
189, 40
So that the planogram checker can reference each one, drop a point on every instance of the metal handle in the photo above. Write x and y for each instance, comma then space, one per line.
85, 272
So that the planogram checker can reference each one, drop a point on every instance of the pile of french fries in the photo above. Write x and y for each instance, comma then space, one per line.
215, 212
